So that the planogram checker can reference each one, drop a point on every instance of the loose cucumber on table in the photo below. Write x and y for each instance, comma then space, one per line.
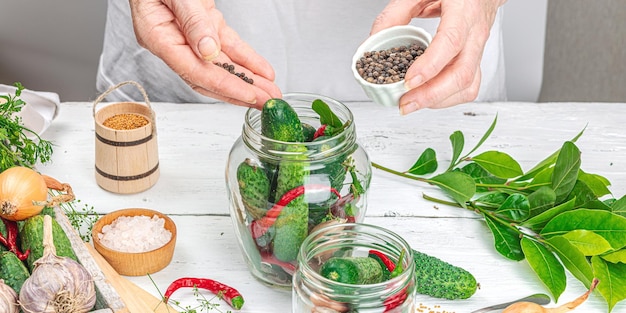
440, 279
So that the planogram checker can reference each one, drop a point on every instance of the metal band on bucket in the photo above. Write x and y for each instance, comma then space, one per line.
127, 178
123, 143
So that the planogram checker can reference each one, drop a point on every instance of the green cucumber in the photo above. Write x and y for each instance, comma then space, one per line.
13, 271
308, 131
254, 187
292, 224
386, 272
440, 279
32, 239
280, 121
353, 270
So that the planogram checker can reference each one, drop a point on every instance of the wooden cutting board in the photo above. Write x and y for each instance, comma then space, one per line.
136, 299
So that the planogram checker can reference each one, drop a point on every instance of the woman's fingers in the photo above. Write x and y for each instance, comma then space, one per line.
190, 36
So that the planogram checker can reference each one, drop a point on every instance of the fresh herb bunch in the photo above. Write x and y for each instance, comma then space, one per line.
555, 216
16, 148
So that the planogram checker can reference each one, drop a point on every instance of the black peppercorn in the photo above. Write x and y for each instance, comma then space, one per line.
387, 66
231, 69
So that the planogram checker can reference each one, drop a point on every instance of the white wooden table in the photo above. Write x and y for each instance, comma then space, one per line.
194, 141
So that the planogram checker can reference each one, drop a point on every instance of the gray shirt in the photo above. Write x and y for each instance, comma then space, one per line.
309, 43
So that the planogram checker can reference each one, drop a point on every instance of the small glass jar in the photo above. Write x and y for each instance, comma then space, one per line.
312, 292
272, 222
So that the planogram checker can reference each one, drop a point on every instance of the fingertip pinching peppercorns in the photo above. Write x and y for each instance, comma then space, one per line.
389, 65
231, 69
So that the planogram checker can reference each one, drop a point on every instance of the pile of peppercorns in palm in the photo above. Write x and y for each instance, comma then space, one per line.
231, 69
388, 66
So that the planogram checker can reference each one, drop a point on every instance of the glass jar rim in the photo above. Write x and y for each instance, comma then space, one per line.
339, 143
322, 283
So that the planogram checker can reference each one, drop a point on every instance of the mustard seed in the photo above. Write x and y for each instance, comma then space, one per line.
125, 121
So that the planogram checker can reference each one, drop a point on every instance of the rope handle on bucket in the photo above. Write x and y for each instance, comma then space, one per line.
136, 84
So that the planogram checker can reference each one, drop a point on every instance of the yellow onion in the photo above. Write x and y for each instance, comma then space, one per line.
23, 193
57, 284
8, 299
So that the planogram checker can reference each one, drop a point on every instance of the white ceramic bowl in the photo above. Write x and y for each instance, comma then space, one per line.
397, 36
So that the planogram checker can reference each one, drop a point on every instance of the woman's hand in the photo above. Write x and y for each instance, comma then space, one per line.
190, 36
448, 73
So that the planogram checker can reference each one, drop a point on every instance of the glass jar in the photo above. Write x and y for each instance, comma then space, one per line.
333, 175
314, 293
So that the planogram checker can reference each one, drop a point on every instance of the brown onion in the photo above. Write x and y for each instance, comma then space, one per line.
23, 193
57, 284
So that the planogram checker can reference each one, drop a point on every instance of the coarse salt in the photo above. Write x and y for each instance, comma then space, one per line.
135, 234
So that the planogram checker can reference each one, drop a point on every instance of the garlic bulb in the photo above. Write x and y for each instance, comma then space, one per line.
8, 299
57, 284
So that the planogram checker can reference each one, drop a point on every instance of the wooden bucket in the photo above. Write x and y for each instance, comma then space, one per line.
127, 160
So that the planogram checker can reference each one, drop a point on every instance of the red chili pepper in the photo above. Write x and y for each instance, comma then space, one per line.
289, 268
399, 298
260, 226
320, 131
229, 294
395, 300
11, 239
385, 259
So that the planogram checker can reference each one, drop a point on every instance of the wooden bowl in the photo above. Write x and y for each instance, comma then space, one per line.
135, 263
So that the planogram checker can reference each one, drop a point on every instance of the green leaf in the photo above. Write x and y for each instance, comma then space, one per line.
612, 279
515, 208
610, 226
499, 164
539, 221
619, 206
492, 199
327, 116
485, 135
458, 142
572, 259
618, 256
459, 186
588, 242
506, 240
547, 162
426, 164
481, 176
546, 266
541, 200
566, 170
543, 178
596, 183
582, 193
